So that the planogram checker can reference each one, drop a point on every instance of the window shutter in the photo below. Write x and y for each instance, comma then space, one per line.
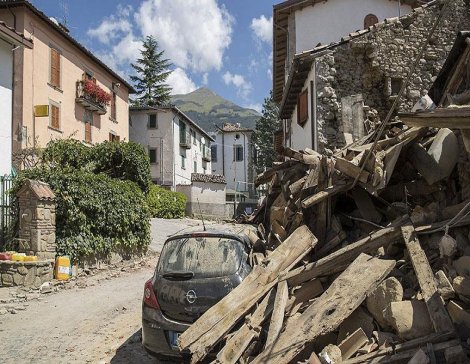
113, 106
55, 67
88, 132
302, 107
55, 117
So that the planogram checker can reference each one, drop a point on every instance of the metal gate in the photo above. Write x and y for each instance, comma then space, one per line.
6, 213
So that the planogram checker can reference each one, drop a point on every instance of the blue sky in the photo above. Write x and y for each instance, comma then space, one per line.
223, 45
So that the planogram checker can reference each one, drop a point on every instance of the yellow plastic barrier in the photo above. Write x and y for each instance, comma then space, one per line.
31, 258
18, 257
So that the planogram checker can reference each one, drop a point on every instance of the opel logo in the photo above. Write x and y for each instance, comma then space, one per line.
191, 296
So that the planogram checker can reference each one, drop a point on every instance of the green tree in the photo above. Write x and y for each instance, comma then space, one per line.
266, 125
152, 71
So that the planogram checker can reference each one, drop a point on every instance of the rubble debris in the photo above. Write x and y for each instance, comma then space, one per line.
360, 251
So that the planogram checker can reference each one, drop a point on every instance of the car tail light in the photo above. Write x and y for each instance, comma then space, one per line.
149, 295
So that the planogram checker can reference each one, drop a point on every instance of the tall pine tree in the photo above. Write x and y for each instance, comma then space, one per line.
152, 72
266, 125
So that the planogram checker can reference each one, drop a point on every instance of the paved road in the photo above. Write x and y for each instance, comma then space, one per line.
96, 324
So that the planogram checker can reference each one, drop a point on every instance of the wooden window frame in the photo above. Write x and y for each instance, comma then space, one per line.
113, 108
195, 166
183, 162
88, 137
51, 72
52, 105
114, 138
213, 153
302, 113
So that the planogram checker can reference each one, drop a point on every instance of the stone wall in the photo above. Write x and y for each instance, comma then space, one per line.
376, 62
28, 274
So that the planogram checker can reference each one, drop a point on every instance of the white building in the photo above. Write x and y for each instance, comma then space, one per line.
177, 146
10, 41
232, 156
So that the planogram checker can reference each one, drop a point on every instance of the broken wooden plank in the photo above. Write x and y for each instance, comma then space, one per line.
351, 170
437, 312
322, 208
344, 295
342, 257
306, 292
216, 322
420, 357
353, 343
326, 193
297, 186
267, 175
459, 316
236, 345
277, 317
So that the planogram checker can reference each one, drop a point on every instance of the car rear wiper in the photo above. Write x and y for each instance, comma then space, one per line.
178, 275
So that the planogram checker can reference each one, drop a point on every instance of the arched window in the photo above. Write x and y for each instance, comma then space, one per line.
370, 20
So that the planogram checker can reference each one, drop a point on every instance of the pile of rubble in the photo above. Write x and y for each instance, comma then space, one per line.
361, 255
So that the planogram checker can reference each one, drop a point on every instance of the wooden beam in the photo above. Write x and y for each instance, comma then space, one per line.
324, 315
353, 343
439, 316
351, 170
277, 318
325, 194
237, 344
343, 257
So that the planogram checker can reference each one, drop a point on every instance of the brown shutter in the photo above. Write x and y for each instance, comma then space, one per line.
88, 132
55, 67
302, 107
113, 106
55, 117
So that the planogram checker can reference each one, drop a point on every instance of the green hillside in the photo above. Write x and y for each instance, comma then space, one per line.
209, 109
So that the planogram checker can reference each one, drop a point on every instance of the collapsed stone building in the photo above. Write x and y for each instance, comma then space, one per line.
336, 93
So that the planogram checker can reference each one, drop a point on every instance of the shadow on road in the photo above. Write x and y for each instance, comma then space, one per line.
131, 351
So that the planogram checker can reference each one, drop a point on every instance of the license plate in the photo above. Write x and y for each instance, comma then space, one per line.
174, 336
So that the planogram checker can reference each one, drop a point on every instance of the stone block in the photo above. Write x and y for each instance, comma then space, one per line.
360, 318
462, 286
445, 151
444, 287
18, 279
30, 278
22, 270
409, 319
7, 280
390, 290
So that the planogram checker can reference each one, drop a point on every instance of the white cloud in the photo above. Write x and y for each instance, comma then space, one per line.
127, 49
194, 34
263, 28
244, 87
270, 74
205, 78
113, 26
180, 82
257, 107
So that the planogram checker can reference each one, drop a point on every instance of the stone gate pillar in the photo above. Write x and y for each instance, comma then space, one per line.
37, 219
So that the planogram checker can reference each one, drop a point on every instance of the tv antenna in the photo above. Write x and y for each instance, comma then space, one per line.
65, 12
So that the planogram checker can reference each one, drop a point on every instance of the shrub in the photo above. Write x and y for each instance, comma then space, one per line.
166, 204
96, 214
128, 161
66, 153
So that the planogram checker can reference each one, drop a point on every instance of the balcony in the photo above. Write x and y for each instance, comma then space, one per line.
92, 97
206, 153
185, 139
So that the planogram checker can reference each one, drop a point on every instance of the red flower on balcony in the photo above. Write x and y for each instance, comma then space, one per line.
96, 92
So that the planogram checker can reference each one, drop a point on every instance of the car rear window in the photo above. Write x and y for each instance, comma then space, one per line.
206, 257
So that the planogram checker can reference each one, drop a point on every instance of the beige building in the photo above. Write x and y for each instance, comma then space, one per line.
60, 89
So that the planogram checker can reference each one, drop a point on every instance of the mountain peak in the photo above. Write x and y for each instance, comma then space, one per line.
209, 109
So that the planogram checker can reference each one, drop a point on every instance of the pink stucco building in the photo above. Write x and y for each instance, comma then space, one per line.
60, 89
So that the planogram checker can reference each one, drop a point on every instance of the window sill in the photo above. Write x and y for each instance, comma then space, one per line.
113, 120
87, 143
55, 87
54, 129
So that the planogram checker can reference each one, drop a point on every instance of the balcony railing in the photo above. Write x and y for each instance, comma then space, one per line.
88, 101
206, 153
185, 139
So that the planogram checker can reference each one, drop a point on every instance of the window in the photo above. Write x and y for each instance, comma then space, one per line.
114, 138
238, 153
195, 167
370, 20
152, 121
54, 116
302, 107
113, 106
193, 133
183, 133
153, 155
395, 86
204, 169
55, 68
214, 153
183, 162
88, 119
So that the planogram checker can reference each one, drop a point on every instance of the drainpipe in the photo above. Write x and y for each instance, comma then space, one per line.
244, 157
161, 162
223, 153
